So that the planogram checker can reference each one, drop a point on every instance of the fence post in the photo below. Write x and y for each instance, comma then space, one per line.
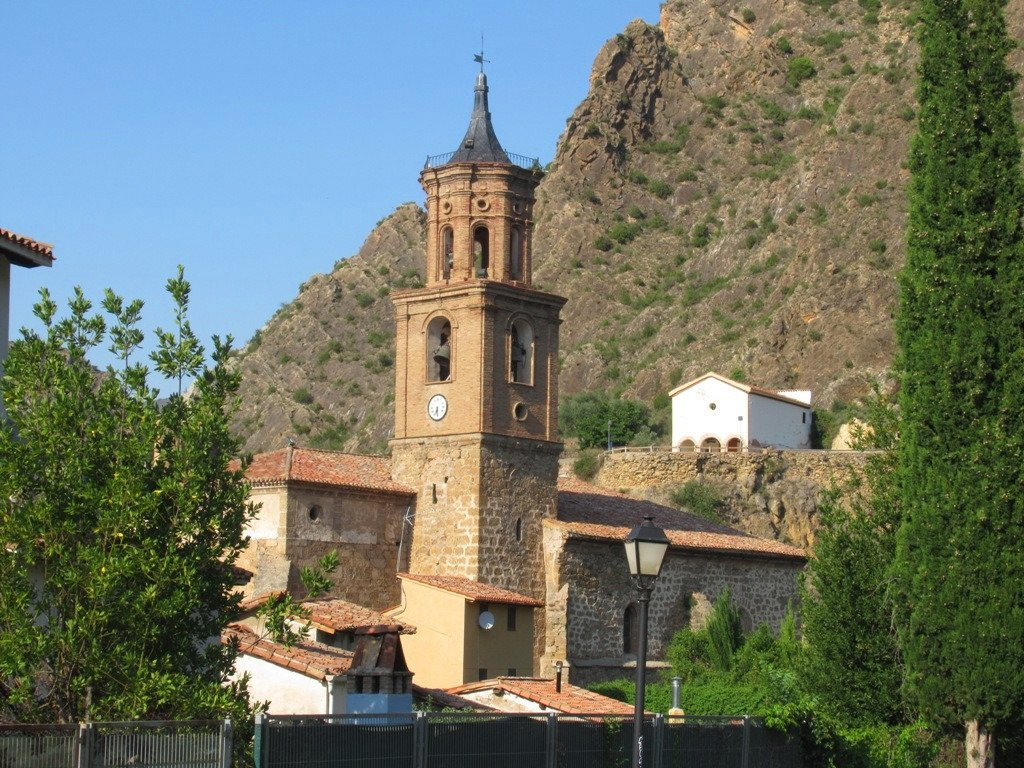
551, 756
84, 745
259, 741
745, 759
419, 740
659, 741
225, 743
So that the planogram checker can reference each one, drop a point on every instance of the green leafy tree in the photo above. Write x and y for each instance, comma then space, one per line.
960, 327
725, 632
586, 417
851, 661
120, 521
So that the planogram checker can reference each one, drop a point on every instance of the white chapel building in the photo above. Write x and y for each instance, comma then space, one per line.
713, 413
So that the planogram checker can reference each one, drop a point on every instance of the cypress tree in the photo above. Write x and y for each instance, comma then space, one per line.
959, 562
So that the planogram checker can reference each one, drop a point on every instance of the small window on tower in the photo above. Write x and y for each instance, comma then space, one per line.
447, 252
439, 350
521, 352
515, 255
481, 251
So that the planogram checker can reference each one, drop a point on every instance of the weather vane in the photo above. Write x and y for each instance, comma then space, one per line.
479, 57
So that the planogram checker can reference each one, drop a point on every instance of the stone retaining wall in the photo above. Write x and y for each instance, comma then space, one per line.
771, 493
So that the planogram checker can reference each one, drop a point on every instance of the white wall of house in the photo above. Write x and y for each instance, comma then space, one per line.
289, 692
718, 408
780, 424
709, 408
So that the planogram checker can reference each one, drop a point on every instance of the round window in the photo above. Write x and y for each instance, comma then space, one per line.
482, 204
519, 411
314, 513
712, 406
446, 206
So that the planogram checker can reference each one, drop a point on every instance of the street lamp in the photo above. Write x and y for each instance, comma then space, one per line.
646, 546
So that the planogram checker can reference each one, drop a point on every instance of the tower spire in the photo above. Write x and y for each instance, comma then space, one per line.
480, 144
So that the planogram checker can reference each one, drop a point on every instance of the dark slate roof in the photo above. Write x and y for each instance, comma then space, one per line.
480, 145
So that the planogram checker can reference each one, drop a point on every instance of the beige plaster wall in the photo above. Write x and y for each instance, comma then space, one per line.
435, 653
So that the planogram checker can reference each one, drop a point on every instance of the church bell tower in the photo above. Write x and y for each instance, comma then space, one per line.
476, 390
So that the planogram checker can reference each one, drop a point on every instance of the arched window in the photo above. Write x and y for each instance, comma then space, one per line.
481, 251
520, 352
711, 445
515, 255
439, 349
687, 446
447, 252
629, 629
735, 445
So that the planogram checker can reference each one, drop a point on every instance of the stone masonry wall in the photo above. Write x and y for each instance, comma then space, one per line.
597, 590
366, 531
772, 493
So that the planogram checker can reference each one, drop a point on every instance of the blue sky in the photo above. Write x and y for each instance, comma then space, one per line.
256, 143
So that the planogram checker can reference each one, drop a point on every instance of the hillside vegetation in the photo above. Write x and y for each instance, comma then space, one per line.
729, 196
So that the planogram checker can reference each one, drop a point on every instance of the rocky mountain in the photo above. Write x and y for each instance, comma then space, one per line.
729, 196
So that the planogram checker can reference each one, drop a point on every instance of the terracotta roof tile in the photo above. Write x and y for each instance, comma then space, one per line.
308, 465
44, 249
334, 615
258, 601
571, 699
475, 591
439, 696
309, 658
587, 511
748, 388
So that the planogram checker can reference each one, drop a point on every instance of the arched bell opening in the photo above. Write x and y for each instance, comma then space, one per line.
520, 352
447, 252
439, 350
515, 254
481, 251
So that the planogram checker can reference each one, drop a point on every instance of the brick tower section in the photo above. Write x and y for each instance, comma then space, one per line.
480, 337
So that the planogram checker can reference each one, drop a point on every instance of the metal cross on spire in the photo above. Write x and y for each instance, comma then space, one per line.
479, 57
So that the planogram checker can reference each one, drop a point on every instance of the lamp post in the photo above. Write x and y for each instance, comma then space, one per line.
646, 546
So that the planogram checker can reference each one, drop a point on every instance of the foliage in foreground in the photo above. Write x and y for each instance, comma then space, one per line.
120, 520
727, 672
958, 566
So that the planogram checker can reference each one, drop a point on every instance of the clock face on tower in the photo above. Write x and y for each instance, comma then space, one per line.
437, 407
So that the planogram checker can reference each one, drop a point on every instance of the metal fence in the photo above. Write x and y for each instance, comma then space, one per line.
544, 740
178, 744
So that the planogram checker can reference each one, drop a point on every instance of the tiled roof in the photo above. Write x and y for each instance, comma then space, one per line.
588, 511
571, 699
27, 242
441, 697
748, 388
474, 590
308, 465
335, 615
258, 601
308, 658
